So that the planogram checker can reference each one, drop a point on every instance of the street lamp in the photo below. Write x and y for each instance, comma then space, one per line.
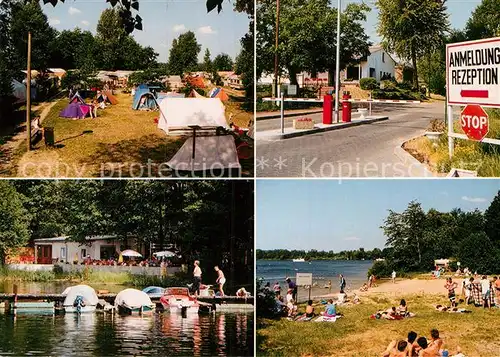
337, 65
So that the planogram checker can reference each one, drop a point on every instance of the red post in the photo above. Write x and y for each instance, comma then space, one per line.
327, 109
346, 107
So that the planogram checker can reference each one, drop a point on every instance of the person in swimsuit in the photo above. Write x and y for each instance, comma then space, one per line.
451, 286
221, 280
196, 278
309, 309
496, 287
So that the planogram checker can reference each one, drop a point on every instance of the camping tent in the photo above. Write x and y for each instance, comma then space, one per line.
75, 110
162, 96
77, 98
108, 97
219, 93
19, 92
144, 99
197, 82
177, 114
195, 94
211, 153
142, 86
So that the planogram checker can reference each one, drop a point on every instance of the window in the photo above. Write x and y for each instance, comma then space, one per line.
383, 57
84, 253
63, 253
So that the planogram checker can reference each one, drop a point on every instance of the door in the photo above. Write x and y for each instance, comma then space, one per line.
44, 254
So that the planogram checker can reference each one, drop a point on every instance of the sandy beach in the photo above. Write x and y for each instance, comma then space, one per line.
404, 287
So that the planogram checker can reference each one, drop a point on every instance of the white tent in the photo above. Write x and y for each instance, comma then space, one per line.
211, 153
177, 114
19, 91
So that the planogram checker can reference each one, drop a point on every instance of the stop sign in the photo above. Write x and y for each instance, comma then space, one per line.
474, 121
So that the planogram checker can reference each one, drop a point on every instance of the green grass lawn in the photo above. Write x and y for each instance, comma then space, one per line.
357, 335
120, 142
468, 155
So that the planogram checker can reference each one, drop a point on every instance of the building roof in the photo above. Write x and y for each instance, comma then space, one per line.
65, 238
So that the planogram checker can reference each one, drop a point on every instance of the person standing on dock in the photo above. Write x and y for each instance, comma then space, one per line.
221, 280
196, 278
342, 283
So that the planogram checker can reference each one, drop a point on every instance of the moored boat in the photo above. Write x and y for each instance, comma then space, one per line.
154, 292
299, 260
178, 300
80, 299
133, 301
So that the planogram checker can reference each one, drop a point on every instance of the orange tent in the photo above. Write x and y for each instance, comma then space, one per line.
222, 95
196, 82
112, 99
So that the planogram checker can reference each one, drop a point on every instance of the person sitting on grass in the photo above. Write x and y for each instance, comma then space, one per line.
436, 341
410, 346
396, 349
310, 309
402, 309
424, 349
292, 308
330, 309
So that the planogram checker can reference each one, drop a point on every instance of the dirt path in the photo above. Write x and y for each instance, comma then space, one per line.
13, 145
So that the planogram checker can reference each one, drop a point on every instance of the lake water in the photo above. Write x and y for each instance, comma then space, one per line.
323, 271
220, 334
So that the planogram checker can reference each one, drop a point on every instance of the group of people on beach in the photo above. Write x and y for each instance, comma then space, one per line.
414, 346
478, 291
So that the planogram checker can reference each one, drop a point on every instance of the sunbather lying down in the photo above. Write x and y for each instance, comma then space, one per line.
452, 309
391, 314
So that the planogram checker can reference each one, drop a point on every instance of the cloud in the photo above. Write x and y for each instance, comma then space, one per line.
473, 199
444, 193
85, 23
207, 30
351, 238
73, 11
179, 28
53, 22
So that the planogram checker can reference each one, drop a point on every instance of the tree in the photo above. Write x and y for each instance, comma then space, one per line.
14, 231
110, 39
492, 220
412, 28
485, 21
207, 62
307, 37
478, 253
29, 17
184, 53
223, 62
405, 234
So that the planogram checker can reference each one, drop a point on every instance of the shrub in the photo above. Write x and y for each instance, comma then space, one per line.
58, 269
266, 306
368, 83
437, 125
381, 269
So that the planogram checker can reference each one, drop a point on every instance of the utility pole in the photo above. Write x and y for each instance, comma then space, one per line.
337, 65
277, 31
232, 231
28, 94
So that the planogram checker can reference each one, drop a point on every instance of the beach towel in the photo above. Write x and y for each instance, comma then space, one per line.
304, 318
453, 310
327, 319
476, 296
384, 315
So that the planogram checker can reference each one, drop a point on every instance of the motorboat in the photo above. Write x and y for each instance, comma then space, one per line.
133, 301
299, 260
154, 292
179, 300
80, 299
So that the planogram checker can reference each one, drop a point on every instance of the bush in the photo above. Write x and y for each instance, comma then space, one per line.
381, 269
266, 305
368, 83
58, 269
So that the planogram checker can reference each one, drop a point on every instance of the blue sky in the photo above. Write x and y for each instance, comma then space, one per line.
162, 22
343, 215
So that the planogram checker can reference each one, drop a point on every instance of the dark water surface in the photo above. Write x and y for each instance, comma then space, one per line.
107, 335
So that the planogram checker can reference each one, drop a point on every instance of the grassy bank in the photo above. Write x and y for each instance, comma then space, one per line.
357, 335
468, 155
91, 276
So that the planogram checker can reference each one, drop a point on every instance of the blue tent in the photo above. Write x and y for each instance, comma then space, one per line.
142, 86
144, 99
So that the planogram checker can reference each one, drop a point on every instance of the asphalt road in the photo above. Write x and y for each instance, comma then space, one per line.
361, 151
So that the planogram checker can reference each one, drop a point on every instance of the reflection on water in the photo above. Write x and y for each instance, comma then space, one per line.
107, 335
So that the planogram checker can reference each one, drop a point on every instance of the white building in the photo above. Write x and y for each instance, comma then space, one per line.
62, 250
377, 65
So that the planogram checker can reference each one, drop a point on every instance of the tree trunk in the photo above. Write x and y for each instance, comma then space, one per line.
419, 253
2, 258
331, 77
414, 63
314, 73
292, 73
